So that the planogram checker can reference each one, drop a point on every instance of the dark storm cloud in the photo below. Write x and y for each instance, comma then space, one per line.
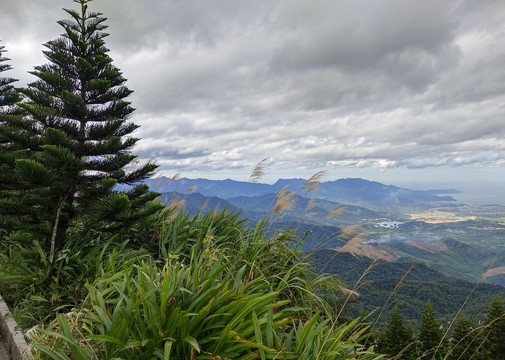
312, 84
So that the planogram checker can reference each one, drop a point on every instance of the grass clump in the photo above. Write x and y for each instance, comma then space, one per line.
207, 287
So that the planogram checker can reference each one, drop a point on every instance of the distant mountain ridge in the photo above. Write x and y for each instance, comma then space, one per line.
459, 249
350, 191
254, 208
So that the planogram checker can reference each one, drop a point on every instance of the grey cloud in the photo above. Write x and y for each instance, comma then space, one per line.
313, 85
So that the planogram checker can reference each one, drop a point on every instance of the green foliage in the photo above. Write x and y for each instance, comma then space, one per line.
196, 310
10, 212
261, 252
495, 334
185, 234
8, 94
421, 284
466, 340
397, 339
85, 256
431, 332
75, 132
224, 290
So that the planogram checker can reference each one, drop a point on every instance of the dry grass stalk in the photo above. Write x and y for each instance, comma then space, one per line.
336, 212
204, 205
313, 182
350, 230
282, 192
256, 175
354, 244
354, 290
258, 171
311, 204
160, 179
215, 210
461, 309
176, 204
175, 177
192, 188
284, 202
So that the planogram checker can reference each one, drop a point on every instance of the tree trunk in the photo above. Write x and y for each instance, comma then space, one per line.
59, 229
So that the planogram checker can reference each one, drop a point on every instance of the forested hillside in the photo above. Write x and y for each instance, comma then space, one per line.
382, 285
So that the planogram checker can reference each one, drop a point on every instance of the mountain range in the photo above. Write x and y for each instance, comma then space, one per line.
350, 191
361, 217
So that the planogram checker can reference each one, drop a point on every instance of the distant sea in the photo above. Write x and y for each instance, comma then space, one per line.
471, 194
481, 196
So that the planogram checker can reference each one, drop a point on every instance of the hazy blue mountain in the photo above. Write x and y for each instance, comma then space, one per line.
372, 193
219, 188
312, 236
352, 191
316, 211
254, 208
194, 202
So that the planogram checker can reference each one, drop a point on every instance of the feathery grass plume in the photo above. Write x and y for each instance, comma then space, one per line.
258, 171
215, 211
173, 178
313, 183
354, 244
204, 205
310, 205
175, 205
192, 188
160, 180
336, 212
282, 192
284, 202
256, 175
350, 230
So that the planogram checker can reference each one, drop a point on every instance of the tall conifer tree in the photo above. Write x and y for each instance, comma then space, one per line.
9, 97
465, 342
77, 126
397, 339
495, 319
430, 335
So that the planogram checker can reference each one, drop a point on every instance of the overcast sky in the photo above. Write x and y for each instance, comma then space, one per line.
395, 91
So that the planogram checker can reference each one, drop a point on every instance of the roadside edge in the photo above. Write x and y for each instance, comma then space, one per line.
13, 338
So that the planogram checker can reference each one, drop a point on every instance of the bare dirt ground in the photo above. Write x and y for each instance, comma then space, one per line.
495, 271
429, 246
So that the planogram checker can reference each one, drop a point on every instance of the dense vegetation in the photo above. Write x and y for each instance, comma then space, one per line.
419, 284
102, 273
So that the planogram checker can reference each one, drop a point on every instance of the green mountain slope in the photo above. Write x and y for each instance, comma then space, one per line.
419, 283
